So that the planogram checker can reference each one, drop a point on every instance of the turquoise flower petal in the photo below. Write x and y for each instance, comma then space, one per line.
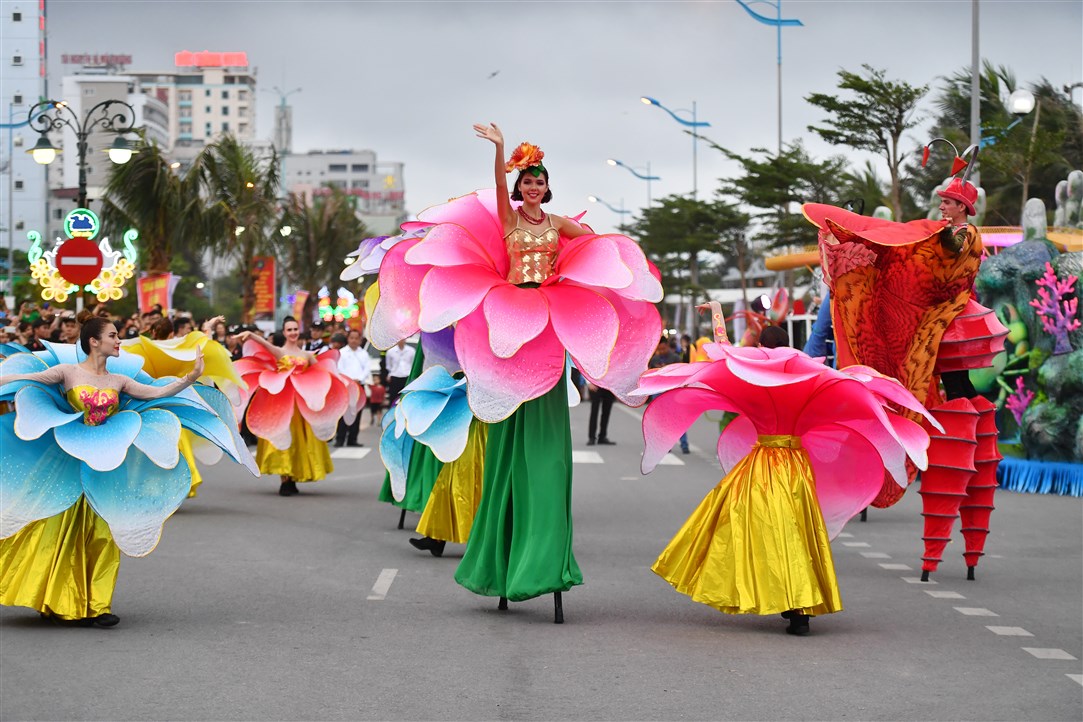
447, 435
37, 479
222, 406
102, 447
435, 411
395, 452
39, 412
136, 499
421, 408
159, 437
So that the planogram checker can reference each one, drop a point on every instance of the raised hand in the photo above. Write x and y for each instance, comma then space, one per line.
197, 369
489, 132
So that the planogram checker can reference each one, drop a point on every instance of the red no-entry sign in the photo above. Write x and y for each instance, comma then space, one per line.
79, 261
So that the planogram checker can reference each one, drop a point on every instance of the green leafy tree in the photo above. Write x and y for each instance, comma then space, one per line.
873, 117
677, 230
165, 208
322, 233
241, 190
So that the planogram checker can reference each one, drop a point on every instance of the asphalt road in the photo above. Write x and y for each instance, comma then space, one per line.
257, 607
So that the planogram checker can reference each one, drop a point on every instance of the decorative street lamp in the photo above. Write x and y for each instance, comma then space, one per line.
693, 124
619, 211
114, 116
648, 177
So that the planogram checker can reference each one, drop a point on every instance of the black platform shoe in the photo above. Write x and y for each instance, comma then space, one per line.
106, 620
288, 488
798, 624
434, 546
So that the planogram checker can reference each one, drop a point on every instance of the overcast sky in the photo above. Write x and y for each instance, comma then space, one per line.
407, 79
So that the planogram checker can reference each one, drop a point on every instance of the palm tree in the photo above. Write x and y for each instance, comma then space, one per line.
165, 208
322, 233
241, 192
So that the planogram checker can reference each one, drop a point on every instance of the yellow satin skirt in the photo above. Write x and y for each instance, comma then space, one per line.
185, 445
757, 544
64, 566
449, 513
307, 459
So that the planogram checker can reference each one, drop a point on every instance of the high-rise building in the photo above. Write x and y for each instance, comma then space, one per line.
376, 186
22, 84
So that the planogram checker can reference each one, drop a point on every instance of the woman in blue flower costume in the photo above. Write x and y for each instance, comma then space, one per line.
89, 468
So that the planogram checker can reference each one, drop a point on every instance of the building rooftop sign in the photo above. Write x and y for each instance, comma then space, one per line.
208, 59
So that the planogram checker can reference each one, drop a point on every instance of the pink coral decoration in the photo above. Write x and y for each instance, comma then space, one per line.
1018, 401
1057, 312
278, 390
846, 419
598, 305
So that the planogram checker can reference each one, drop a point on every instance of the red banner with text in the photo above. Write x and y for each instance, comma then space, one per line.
263, 269
155, 289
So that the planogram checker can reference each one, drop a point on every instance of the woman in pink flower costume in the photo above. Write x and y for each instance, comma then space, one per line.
806, 453
523, 289
295, 407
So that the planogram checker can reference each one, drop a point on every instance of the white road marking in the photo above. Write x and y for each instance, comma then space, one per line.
896, 567
350, 452
936, 594
856, 544
1077, 678
382, 585
875, 555
586, 457
917, 580
670, 460
976, 612
845, 535
1047, 653
1009, 631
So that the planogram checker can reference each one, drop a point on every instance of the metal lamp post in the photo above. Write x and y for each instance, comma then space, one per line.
648, 177
114, 116
619, 211
693, 124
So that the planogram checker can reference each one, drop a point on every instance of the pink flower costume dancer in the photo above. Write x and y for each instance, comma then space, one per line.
806, 453
295, 407
523, 289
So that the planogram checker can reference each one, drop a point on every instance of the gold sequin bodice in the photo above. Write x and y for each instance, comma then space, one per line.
96, 404
531, 255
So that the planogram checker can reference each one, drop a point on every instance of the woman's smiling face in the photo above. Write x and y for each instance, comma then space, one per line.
533, 188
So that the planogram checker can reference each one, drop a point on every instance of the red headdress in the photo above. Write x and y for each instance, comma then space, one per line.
960, 189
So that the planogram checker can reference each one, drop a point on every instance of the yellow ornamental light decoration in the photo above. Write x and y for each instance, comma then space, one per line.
115, 267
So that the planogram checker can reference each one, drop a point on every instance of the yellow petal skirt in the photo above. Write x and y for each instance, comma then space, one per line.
189, 456
449, 513
757, 543
65, 566
307, 459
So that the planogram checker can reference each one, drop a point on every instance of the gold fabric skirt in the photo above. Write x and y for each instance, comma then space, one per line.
185, 445
307, 459
449, 513
757, 544
64, 566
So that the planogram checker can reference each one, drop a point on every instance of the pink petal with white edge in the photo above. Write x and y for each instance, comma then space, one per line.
586, 323
324, 422
593, 261
655, 381
891, 390
449, 245
249, 365
892, 454
396, 314
273, 381
476, 213
495, 386
645, 285
515, 316
848, 474
448, 294
669, 416
640, 326
312, 386
269, 417
736, 440
771, 366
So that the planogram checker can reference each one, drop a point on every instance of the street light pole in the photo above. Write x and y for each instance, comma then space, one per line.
648, 177
693, 124
113, 116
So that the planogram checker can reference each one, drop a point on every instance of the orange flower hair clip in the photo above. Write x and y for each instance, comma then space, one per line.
526, 157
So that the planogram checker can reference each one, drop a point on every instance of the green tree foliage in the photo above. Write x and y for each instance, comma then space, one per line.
872, 117
1039, 152
166, 209
776, 185
322, 233
241, 191
677, 230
